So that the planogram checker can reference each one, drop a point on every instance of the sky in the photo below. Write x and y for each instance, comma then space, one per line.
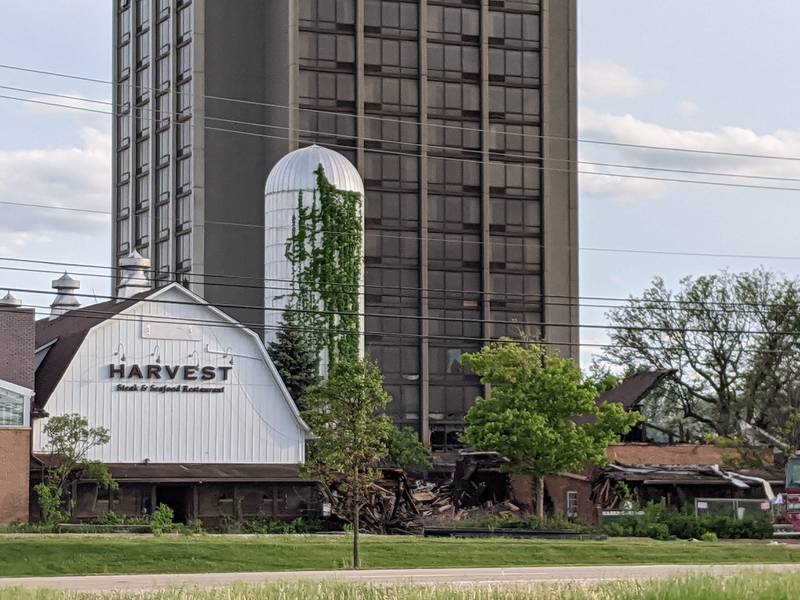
709, 75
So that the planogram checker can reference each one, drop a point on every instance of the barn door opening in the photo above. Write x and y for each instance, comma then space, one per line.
178, 498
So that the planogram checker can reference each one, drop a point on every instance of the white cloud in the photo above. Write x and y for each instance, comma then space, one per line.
621, 188
631, 130
604, 78
74, 177
12, 243
688, 108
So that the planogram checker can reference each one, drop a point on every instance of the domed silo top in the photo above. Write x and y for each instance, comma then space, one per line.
295, 171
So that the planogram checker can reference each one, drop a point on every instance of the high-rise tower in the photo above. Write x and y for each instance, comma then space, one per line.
460, 116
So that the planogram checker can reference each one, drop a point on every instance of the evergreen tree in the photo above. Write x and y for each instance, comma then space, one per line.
294, 358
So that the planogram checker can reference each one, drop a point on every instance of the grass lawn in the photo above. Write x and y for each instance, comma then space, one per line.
743, 587
45, 555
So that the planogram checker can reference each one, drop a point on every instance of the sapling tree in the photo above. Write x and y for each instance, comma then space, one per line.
351, 434
70, 439
541, 414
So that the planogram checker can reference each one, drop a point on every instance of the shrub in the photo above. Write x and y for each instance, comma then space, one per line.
49, 498
658, 531
709, 536
110, 518
264, 524
686, 525
162, 520
193, 526
615, 529
558, 522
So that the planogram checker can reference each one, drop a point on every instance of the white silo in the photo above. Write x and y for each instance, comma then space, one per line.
295, 173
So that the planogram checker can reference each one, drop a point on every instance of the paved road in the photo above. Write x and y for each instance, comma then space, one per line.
106, 583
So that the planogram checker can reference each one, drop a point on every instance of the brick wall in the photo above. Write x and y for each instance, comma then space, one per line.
523, 493
557, 488
15, 450
17, 345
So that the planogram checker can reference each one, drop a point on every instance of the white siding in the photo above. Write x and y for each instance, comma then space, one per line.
252, 421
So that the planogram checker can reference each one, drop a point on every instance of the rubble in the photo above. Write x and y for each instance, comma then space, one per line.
397, 505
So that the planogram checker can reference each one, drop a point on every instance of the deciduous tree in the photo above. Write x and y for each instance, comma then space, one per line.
69, 441
351, 436
541, 414
406, 451
731, 338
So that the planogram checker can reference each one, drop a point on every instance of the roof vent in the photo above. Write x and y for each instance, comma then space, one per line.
65, 298
10, 301
133, 273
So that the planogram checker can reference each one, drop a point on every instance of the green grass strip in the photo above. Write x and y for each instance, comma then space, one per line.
50, 555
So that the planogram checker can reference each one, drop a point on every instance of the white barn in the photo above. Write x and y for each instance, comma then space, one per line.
198, 415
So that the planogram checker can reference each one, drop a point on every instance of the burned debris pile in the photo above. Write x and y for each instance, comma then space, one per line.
397, 505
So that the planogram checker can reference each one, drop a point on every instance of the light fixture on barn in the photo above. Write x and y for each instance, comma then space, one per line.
228, 354
120, 353
196, 357
157, 353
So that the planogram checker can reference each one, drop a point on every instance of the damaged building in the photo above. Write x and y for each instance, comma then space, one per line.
652, 464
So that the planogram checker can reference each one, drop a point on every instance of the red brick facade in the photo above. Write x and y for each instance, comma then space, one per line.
17, 334
15, 448
556, 490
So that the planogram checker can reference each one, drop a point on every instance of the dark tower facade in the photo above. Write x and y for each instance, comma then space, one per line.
461, 118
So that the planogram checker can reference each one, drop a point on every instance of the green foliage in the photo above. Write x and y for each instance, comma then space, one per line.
162, 520
351, 436
658, 531
790, 431
709, 536
267, 525
325, 251
112, 518
28, 528
703, 331
193, 526
685, 525
49, 498
530, 415
406, 451
295, 358
551, 523
69, 441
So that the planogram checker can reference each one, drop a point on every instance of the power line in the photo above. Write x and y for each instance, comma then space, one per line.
322, 111
400, 288
101, 315
539, 301
503, 154
420, 318
451, 159
53, 207
495, 154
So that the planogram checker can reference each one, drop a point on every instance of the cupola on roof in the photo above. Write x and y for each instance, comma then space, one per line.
295, 171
